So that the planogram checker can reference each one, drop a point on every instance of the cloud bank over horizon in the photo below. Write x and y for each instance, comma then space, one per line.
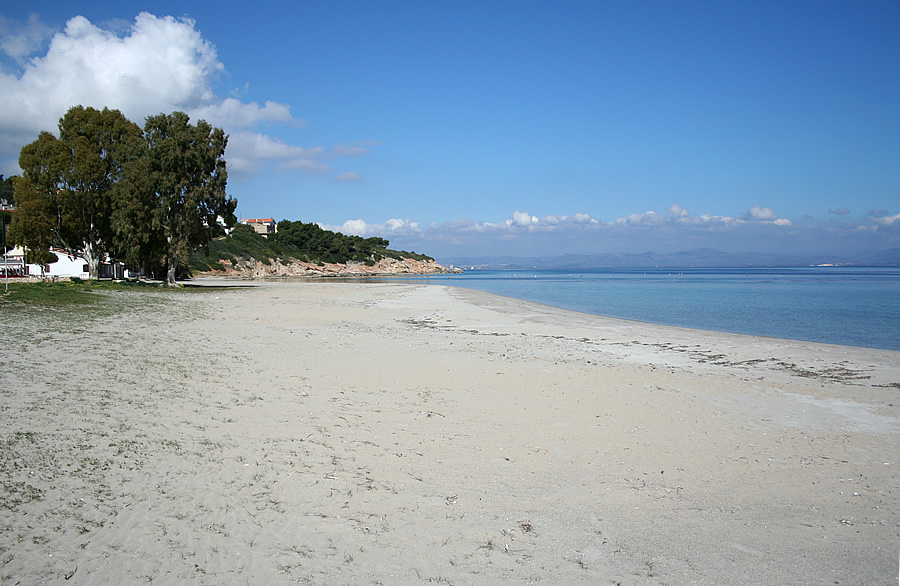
759, 229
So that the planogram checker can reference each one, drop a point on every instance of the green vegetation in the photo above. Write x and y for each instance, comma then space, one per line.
6, 191
5, 219
106, 187
320, 245
295, 241
153, 198
63, 294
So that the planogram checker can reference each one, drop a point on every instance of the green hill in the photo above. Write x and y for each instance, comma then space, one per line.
295, 241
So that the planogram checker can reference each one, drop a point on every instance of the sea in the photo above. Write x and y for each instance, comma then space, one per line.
851, 306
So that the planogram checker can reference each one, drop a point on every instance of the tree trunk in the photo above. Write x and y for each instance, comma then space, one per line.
171, 262
170, 270
93, 262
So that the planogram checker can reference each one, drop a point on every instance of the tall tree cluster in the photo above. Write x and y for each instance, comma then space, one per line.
106, 187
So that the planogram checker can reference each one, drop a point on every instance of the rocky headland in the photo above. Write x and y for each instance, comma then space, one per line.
256, 269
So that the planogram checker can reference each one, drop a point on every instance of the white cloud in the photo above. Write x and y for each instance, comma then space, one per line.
349, 176
248, 152
391, 227
461, 229
758, 213
162, 64
677, 212
232, 114
712, 219
519, 221
581, 218
18, 41
526, 235
650, 217
523, 219
153, 65
887, 220
766, 215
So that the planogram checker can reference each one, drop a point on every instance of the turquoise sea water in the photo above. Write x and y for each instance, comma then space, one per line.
854, 306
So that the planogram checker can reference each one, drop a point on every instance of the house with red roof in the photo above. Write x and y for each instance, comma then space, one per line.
263, 226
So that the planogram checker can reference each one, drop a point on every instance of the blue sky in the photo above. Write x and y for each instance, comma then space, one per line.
486, 128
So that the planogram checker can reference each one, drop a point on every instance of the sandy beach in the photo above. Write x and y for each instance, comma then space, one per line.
351, 433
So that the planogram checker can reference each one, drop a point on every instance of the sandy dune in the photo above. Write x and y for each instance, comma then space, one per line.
392, 433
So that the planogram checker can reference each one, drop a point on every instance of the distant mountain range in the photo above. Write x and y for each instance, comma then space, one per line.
700, 257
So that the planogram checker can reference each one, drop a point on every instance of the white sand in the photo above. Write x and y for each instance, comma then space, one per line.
390, 433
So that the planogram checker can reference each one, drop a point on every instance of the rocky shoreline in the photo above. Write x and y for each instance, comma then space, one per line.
255, 269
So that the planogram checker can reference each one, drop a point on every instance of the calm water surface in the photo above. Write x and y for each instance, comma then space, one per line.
855, 306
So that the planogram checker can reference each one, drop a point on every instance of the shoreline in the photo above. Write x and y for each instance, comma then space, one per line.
395, 432
410, 279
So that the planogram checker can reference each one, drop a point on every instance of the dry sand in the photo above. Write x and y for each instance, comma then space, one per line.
348, 433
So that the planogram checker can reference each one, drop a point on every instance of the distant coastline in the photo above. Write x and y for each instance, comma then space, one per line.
695, 258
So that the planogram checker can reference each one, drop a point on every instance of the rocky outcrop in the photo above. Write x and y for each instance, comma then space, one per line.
255, 269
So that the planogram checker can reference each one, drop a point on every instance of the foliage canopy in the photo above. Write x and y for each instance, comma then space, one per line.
107, 188
295, 241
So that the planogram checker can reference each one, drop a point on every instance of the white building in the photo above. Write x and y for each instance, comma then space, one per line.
66, 265
262, 226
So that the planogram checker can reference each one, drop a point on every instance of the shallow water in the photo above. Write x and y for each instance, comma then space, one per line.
853, 306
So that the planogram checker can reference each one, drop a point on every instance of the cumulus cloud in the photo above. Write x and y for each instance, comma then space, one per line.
523, 234
582, 218
460, 229
649, 217
761, 214
162, 64
758, 213
713, 219
392, 227
18, 41
523, 219
152, 65
677, 212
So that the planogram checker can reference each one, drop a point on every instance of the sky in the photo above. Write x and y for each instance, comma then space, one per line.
490, 128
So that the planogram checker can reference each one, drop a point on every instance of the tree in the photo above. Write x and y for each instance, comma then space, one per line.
6, 191
38, 214
138, 237
188, 176
327, 246
67, 183
5, 219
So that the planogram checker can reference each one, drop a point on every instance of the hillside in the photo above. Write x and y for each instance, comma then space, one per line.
299, 249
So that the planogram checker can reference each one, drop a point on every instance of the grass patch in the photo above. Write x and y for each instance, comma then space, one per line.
59, 294
64, 294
